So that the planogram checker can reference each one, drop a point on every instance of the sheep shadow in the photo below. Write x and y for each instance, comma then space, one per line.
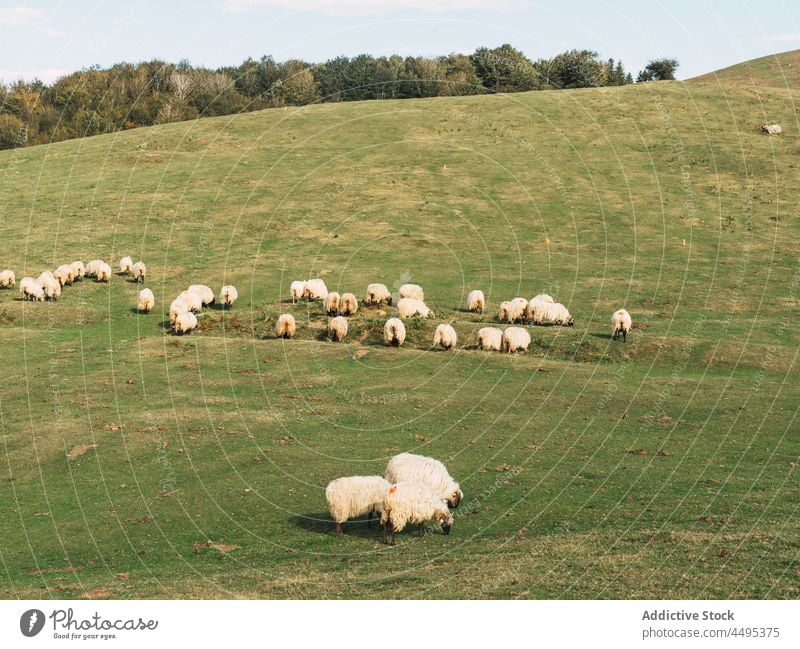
136, 311
321, 523
603, 336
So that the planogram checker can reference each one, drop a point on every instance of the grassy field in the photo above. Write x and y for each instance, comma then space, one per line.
137, 464
780, 70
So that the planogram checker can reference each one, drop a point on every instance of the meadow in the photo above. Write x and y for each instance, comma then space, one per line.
138, 464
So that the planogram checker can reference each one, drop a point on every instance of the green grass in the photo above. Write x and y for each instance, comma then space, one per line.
777, 70
661, 468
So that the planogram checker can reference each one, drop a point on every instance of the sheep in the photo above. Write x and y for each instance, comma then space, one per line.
621, 324
193, 299
90, 270
490, 338
771, 129
64, 274
286, 326
377, 293
445, 336
103, 272
228, 295
178, 306
30, 289
337, 328
146, 301
348, 304
413, 502
44, 276
8, 279
139, 271
408, 307
125, 266
413, 291
51, 287
419, 468
184, 323
518, 308
205, 293
544, 297
394, 332
355, 496
504, 314
515, 339
297, 289
559, 315
332, 303
476, 302
538, 308
78, 270
315, 289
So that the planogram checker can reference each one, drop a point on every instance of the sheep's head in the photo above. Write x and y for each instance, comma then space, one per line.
445, 519
455, 498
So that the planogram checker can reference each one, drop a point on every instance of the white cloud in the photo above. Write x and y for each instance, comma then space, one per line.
27, 17
363, 7
47, 76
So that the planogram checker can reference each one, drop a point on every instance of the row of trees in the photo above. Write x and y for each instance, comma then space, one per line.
125, 96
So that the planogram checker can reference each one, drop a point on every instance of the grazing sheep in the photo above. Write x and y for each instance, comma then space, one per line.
476, 302
228, 295
286, 326
8, 279
413, 502
559, 314
30, 289
772, 129
490, 338
348, 304
394, 332
63, 274
516, 339
355, 496
337, 328
103, 272
504, 314
413, 291
419, 468
205, 293
184, 323
92, 266
315, 289
332, 303
297, 289
139, 272
408, 307
518, 308
193, 299
51, 287
125, 266
621, 324
538, 307
445, 336
146, 301
178, 306
44, 276
377, 293
78, 270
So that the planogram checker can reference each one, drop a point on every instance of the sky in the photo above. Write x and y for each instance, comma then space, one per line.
49, 38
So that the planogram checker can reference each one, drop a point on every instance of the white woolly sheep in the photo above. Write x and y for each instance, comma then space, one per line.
376, 294
348, 304
332, 303
772, 129
92, 267
125, 266
44, 276
8, 279
205, 293
559, 315
228, 295
408, 467
185, 322
286, 326
176, 307
103, 272
394, 332
621, 324
63, 274
413, 502
504, 314
315, 289
516, 339
476, 302
517, 311
355, 496
413, 291
51, 287
139, 272
337, 328
445, 336
538, 308
78, 270
408, 307
193, 299
30, 289
146, 301
490, 338
297, 289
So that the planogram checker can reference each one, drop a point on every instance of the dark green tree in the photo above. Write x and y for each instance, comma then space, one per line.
658, 70
505, 69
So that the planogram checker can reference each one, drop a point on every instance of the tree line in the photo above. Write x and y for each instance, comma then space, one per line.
124, 96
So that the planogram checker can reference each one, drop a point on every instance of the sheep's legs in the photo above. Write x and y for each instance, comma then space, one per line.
421, 530
369, 520
624, 336
338, 529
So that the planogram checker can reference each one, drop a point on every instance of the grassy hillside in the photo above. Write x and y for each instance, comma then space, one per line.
139, 464
775, 70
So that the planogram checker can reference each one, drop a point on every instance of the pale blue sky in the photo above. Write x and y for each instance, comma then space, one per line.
46, 38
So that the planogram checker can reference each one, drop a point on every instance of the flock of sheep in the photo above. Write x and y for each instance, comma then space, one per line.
414, 489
